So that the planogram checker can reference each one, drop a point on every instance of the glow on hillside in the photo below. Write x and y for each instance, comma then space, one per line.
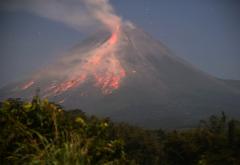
27, 85
101, 68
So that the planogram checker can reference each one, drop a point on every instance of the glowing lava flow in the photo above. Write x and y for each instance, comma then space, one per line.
113, 39
101, 65
27, 85
110, 79
68, 84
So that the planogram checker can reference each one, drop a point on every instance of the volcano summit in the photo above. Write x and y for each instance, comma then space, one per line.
129, 76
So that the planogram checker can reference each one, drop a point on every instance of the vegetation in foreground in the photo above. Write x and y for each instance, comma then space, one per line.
40, 132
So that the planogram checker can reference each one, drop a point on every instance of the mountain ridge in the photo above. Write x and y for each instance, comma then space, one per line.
129, 76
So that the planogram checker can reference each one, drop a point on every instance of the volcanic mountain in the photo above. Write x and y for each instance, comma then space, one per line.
129, 76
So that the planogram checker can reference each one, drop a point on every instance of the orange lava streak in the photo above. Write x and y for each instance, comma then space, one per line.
69, 84
114, 38
102, 65
110, 79
27, 85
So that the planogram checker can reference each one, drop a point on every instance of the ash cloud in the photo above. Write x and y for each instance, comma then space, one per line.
78, 14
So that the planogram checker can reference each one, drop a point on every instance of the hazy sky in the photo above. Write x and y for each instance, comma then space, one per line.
203, 32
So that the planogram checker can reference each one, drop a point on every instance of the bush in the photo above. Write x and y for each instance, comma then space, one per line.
40, 132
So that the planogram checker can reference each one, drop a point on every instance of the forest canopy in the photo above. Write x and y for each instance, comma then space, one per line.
42, 132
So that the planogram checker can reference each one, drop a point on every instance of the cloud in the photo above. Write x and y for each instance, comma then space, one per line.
78, 14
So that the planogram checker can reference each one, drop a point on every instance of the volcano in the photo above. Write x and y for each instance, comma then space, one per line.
129, 76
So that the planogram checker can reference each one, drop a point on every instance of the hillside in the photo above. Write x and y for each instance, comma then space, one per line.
235, 84
40, 132
131, 77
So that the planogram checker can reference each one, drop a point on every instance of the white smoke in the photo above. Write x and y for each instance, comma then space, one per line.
100, 64
78, 14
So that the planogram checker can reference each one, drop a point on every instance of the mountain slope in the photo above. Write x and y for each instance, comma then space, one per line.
131, 77
235, 84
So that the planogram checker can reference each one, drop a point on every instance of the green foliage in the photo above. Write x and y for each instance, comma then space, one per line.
141, 146
215, 142
40, 132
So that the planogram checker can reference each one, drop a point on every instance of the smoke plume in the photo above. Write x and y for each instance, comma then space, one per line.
78, 14
99, 65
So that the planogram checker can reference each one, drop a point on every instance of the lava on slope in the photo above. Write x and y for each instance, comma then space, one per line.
154, 88
27, 85
101, 65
